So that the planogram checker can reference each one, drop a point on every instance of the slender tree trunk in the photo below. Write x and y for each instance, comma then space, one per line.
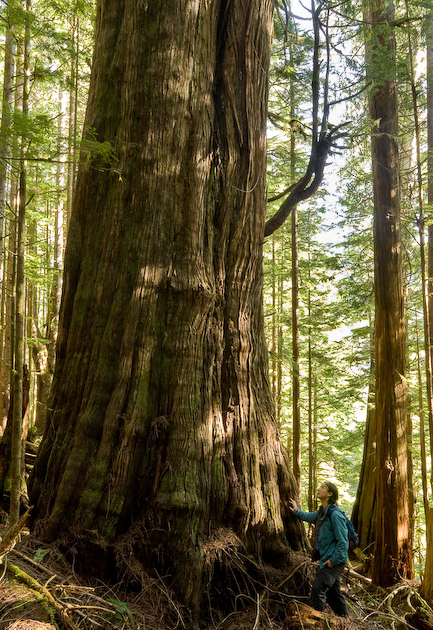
280, 335
10, 324
429, 56
43, 353
7, 347
17, 418
426, 318
364, 509
311, 448
427, 583
8, 366
5, 147
422, 435
393, 552
296, 398
426, 589
161, 424
315, 426
4, 391
296, 395
275, 275
7, 106
73, 116
421, 232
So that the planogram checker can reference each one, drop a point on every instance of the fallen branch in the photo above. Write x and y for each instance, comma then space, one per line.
359, 577
22, 576
9, 539
38, 565
85, 607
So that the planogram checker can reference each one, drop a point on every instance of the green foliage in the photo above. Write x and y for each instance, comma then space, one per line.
123, 612
40, 554
335, 278
91, 150
337, 291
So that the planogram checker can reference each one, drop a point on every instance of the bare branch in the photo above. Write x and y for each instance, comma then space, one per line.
321, 142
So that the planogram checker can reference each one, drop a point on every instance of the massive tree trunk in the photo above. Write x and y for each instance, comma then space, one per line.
394, 505
161, 415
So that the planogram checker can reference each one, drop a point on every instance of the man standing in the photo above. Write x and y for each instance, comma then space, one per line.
331, 546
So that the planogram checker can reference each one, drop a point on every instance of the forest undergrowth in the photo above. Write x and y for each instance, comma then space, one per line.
41, 590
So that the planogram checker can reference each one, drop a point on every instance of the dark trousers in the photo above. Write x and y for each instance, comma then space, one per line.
326, 589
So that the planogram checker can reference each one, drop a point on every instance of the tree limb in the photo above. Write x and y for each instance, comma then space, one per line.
305, 187
321, 142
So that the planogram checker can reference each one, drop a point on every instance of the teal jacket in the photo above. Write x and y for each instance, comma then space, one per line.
333, 540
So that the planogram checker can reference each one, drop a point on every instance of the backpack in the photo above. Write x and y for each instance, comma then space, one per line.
351, 532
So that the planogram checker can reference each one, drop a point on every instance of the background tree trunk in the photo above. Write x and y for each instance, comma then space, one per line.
427, 582
296, 395
393, 552
72, 130
7, 107
429, 58
161, 418
312, 428
364, 508
275, 318
5, 146
17, 417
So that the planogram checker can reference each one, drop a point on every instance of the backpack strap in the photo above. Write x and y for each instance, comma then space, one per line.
331, 510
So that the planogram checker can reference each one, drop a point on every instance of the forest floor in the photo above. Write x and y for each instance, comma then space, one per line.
40, 590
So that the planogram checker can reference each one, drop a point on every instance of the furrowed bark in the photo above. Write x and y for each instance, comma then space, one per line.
161, 410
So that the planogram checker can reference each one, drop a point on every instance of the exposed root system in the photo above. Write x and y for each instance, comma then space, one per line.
41, 590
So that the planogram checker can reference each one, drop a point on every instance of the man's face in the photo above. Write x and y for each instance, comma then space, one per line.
323, 492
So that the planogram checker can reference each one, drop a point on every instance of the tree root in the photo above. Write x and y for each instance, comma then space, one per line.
253, 595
